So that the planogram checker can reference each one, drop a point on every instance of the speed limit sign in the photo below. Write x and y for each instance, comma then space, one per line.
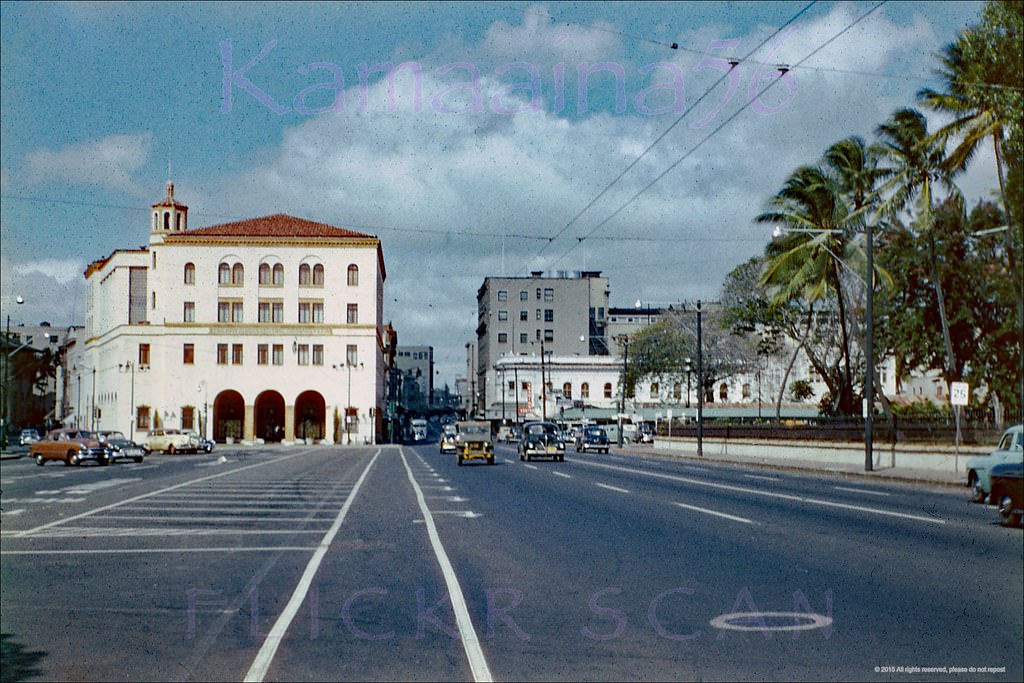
958, 393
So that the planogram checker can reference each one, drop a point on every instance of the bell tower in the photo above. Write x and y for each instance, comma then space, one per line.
169, 216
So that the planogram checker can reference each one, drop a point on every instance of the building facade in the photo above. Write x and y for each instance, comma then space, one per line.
268, 328
562, 313
414, 365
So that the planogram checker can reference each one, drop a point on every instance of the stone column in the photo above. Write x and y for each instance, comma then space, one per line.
289, 423
249, 425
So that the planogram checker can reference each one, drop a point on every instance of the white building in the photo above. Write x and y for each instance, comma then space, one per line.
269, 327
574, 381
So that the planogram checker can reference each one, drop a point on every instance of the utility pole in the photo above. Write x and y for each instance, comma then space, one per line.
92, 412
869, 388
543, 386
700, 385
622, 396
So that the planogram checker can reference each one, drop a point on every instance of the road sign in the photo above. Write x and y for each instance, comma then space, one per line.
958, 393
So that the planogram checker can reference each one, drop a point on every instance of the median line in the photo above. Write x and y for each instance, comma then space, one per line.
562, 474
463, 622
611, 488
260, 665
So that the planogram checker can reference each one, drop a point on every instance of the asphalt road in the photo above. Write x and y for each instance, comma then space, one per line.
393, 563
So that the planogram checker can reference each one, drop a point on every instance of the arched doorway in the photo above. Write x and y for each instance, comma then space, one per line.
310, 414
228, 416
269, 409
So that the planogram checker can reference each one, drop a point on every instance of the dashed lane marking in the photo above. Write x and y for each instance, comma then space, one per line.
715, 513
870, 493
611, 488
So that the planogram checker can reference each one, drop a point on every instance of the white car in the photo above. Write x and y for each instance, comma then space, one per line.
979, 468
171, 441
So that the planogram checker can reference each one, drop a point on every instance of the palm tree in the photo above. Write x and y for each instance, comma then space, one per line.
804, 263
918, 166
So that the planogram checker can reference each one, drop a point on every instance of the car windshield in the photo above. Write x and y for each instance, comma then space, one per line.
114, 436
541, 430
475, 430
594, 431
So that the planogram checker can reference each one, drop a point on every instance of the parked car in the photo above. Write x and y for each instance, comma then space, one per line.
171, 441
592, 439
205, 445
979, 468
120, 446
540, 439
474, 441
28, 437
447, 444
71, 446
514, 434
1007, 482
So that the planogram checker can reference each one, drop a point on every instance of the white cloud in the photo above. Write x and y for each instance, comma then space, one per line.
52, 289
110, 163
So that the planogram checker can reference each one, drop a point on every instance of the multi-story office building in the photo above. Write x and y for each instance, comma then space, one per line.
562, 313
269, 327
415, 366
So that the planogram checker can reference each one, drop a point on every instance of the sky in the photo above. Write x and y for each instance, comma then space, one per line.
475, 139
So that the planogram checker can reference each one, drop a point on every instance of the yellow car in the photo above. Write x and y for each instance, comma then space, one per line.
474, 441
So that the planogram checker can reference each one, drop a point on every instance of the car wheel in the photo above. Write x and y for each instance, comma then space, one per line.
104, 461
522, 457
40, 460
490, 460
73, 459
460, 461
171, 450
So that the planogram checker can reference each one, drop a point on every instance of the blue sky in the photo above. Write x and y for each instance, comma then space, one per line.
96, 97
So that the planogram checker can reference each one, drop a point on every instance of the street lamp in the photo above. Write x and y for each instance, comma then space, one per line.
624, 340
700, 386
689, 370
130, 367
348, 408
7, 375
206, 395
869, 333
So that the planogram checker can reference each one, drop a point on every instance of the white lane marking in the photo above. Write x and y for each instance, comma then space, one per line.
132, 551
96, 486
224, 518
562, 474
451, 499
510, 462
870, 493
220, 508
106, 532
694, 468
769, 494
612, 488
532, 467
470, 640
13, 512
715, 513
143, 496
468, 514
758, 476
44, 500
265, 656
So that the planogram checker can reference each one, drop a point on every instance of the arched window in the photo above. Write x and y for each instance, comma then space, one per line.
279, 275
318, 275
654, 390
237, 274
190, 273
224, 274
677, 390
608, 390
746, 390
156, 221
264, 274
567, 390
353, 275
167, 221
585, 390
178, 227
723, 391
304, 275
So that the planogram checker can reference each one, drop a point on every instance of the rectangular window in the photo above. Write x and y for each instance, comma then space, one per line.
318, 354
263, 310
352, 314
236, 312
538, 314
277, 311
302, 357
154, 301
523, 337
222, 354
549, 335
137, 288
538, 294
236, 354
189, 315
549, 294
353, 275
352, 354
549, 315
261, 354
144, 355
278, 354
524, 295
188, 354
502, 315
318, 312
304, 316
524, 315
142, 417
223, 312
188, 417
502, 295
503, 337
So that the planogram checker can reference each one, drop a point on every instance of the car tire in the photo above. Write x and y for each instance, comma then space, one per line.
490, 460
104, 461
137, 458
171, 450
40, 460
73, 459
460, 461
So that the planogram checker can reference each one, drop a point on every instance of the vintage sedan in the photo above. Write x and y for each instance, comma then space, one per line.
205, 445
541, 440
447, 444
592, 439
120, 447
473, 441
171, 441
1007, 482
979, 468
70, 446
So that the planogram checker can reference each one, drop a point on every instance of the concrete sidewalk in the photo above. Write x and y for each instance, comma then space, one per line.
880, 473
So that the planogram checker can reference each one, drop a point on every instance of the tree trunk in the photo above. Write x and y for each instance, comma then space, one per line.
847, 390
950, 373
792, 361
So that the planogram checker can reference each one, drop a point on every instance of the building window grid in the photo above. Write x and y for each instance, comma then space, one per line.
188, 354
318, 354
144, 355
302, 354
261, 354
189, 312
278, 357
236, 354
190, 274
353, 275
222, 354
352, 314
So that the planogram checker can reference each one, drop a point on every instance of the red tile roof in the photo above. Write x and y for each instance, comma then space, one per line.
278, 225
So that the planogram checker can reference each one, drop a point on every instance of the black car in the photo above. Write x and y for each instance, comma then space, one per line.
592, 439
541, 440
1007, 486
120, 447
205, 445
